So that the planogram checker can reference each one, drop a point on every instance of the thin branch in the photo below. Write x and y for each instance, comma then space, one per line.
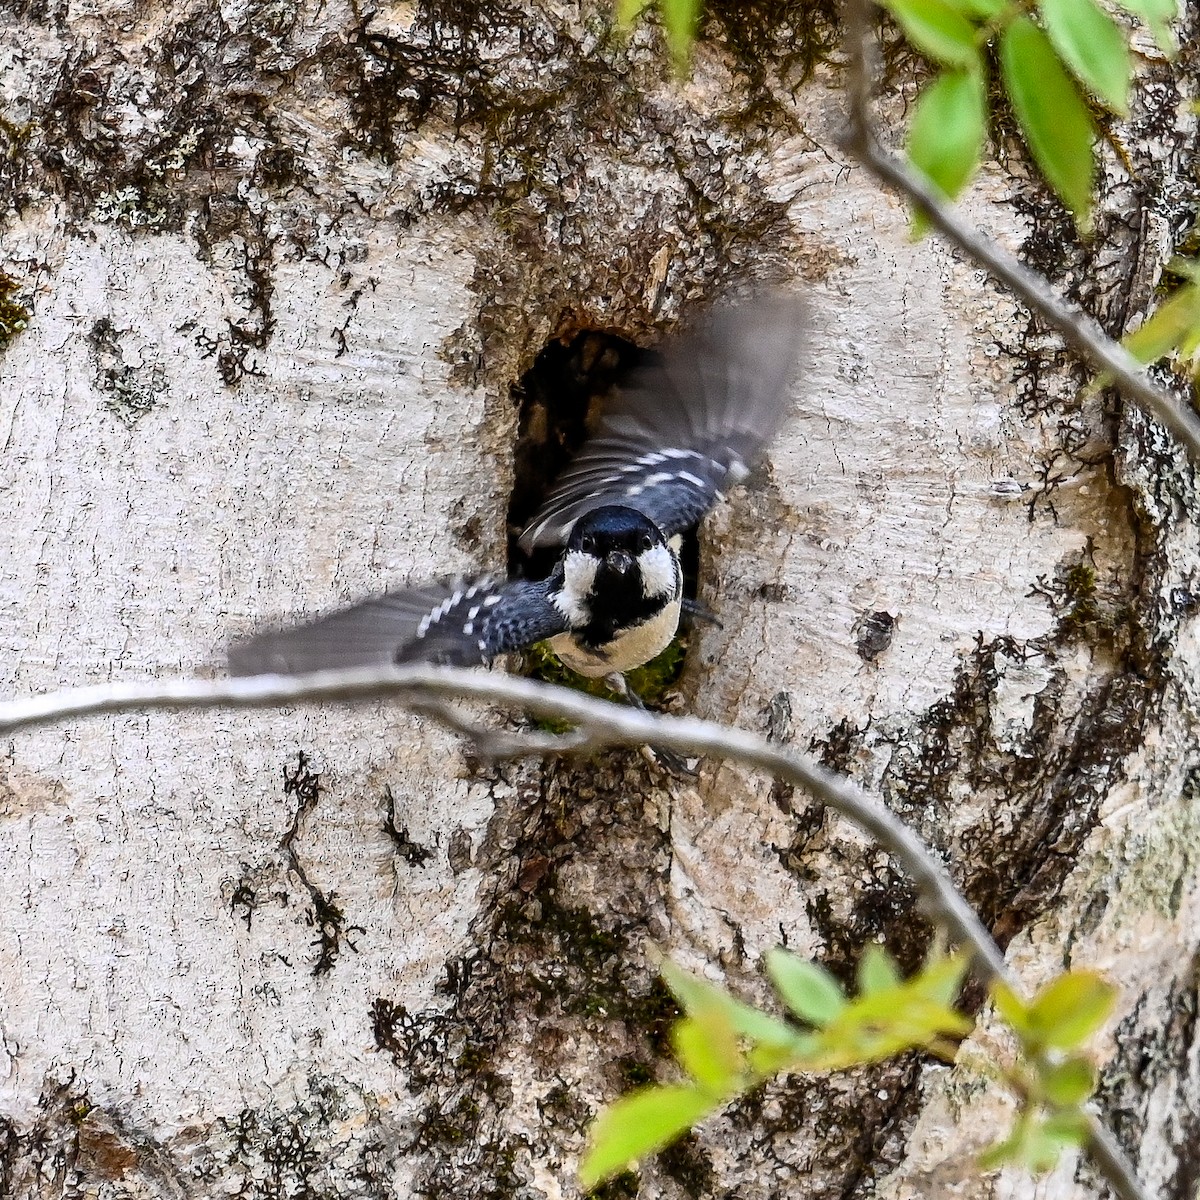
1080, 330
1111, 1162
600, 722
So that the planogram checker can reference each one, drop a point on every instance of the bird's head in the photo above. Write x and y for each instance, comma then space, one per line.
617, 550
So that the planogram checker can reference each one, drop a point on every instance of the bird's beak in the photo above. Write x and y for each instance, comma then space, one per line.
619, 561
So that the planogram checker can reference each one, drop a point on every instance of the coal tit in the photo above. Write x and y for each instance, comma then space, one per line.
681, 431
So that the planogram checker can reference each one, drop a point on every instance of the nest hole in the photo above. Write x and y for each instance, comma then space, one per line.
560, 399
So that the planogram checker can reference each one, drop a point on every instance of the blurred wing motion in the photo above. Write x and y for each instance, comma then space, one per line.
454, 623
686, 425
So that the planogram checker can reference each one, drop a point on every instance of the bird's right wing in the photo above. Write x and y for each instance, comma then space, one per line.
686, 425
456, 623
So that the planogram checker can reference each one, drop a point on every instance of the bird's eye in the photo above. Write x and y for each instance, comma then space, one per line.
647, 541
587, 543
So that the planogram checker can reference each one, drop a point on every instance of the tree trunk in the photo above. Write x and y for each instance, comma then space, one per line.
282, 267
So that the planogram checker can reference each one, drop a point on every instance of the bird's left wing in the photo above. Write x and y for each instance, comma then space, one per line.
688, 423
457, 623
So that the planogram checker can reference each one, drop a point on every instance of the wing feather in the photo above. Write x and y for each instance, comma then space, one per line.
688, 424
456, 622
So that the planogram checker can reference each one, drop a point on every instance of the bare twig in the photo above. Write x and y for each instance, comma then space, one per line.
600, 723
1111, 1162
1079, 329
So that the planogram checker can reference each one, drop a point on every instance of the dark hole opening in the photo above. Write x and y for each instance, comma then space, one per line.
561, 398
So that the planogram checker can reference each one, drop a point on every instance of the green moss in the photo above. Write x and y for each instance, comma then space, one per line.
14, 316
1080, 581
1086, 606
541, 959
473, 1059
763, 36
651, 681
453, 1125
686, 1163
599, 961
1079, 595
655, 1013
592, 986
620, 1187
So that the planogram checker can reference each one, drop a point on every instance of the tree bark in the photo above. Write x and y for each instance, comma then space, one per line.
282, 267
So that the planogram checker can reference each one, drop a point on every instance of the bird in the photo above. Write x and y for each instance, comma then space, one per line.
683, 429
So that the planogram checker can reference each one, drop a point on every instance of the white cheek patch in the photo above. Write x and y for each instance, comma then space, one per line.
579, 577
659, 575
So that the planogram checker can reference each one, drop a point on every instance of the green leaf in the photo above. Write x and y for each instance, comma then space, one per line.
1037, 1143
698, 997
639, 1124
1011, 1007
877, 971
1013, 1148
628, 11
939, 29
891, 1015
882, 1025
1000, 1154
1052, 114
1070, 1008
982, 10
840, 1054
1068, 1128
1175, 324
765, 1058
1047, 1139
1158, 15
905, 1011
1069, 1083
1093, 46
707, 1049
679, 17
947, 131
809, 991
940, 979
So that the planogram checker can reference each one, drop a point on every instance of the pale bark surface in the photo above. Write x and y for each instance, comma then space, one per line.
284, 264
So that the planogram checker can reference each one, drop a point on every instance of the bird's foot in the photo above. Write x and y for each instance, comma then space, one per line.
672, 763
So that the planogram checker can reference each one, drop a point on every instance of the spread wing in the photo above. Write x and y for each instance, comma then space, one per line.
687, 425
455, 622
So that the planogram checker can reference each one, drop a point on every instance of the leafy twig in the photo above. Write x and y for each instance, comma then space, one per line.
1080, 330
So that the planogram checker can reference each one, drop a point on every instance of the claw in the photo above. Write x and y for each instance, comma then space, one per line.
699, 611
668, 760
